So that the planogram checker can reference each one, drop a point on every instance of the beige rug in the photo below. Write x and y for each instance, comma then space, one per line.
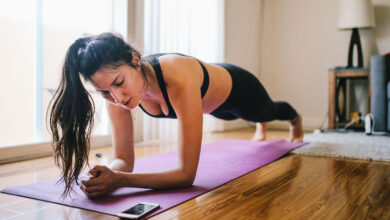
347, 145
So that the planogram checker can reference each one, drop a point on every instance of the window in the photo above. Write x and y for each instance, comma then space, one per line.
17, 61
34, 40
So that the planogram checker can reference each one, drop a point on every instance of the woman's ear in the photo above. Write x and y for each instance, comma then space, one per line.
136, 61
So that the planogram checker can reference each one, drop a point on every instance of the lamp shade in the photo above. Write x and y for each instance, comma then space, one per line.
355, 14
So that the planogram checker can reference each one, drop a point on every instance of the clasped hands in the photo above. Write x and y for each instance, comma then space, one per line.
100, 181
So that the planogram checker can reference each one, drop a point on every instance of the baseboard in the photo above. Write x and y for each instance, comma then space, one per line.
236, 124
309, 124
35, 150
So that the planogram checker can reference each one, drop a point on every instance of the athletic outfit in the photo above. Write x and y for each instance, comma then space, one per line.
247, 100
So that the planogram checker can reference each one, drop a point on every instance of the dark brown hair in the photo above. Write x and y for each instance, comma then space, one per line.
71, 109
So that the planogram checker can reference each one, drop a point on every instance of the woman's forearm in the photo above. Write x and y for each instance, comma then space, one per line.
164, 180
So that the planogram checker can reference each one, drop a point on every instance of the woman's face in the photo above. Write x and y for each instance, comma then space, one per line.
121, 86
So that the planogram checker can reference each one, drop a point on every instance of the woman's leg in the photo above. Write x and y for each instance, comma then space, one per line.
296, 130
261, 131
250, 101
278, 110
264, 109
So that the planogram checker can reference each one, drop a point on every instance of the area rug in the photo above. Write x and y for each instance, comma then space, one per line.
220, 162
355, 145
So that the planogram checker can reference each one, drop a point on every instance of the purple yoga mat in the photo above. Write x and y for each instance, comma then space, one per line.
220, 162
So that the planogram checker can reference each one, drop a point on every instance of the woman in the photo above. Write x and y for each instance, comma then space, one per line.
163, 85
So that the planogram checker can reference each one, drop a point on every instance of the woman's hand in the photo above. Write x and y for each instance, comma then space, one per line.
102, 182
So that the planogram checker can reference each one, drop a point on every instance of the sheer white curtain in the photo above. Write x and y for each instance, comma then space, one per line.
190, 27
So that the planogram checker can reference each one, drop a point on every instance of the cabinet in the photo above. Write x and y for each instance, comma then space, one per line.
338, 78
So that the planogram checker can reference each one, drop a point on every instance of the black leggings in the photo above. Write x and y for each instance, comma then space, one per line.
250, 101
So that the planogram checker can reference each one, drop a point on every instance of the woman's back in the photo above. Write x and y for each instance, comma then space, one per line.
179, 71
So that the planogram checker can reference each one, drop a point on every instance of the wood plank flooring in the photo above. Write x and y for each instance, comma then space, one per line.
293, 187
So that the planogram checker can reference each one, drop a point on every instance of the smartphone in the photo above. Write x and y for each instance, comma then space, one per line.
138, 210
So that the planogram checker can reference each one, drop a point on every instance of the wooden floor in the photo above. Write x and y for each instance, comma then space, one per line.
293, 187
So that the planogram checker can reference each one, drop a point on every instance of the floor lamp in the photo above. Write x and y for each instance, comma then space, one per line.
355, 14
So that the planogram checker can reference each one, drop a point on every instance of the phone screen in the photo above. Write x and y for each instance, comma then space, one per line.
139, 209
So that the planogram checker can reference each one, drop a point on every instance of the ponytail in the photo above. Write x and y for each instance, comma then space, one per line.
71, 108
71, 119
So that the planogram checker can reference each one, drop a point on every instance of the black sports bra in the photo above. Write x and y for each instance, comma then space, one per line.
153, 59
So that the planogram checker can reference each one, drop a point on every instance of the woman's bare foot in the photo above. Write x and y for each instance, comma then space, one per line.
296, 130
260, 133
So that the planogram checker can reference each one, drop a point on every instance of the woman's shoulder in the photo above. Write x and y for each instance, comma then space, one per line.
156, 56
178, 64
175, 61
180, 70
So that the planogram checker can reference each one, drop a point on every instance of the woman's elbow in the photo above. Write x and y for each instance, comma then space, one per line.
126, 167
187, 181
123, 165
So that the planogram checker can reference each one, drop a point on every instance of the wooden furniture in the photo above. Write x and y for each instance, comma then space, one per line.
337, 93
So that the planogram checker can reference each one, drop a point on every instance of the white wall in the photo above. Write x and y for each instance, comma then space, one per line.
242, 40
300, 42
242, 33
382, 30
